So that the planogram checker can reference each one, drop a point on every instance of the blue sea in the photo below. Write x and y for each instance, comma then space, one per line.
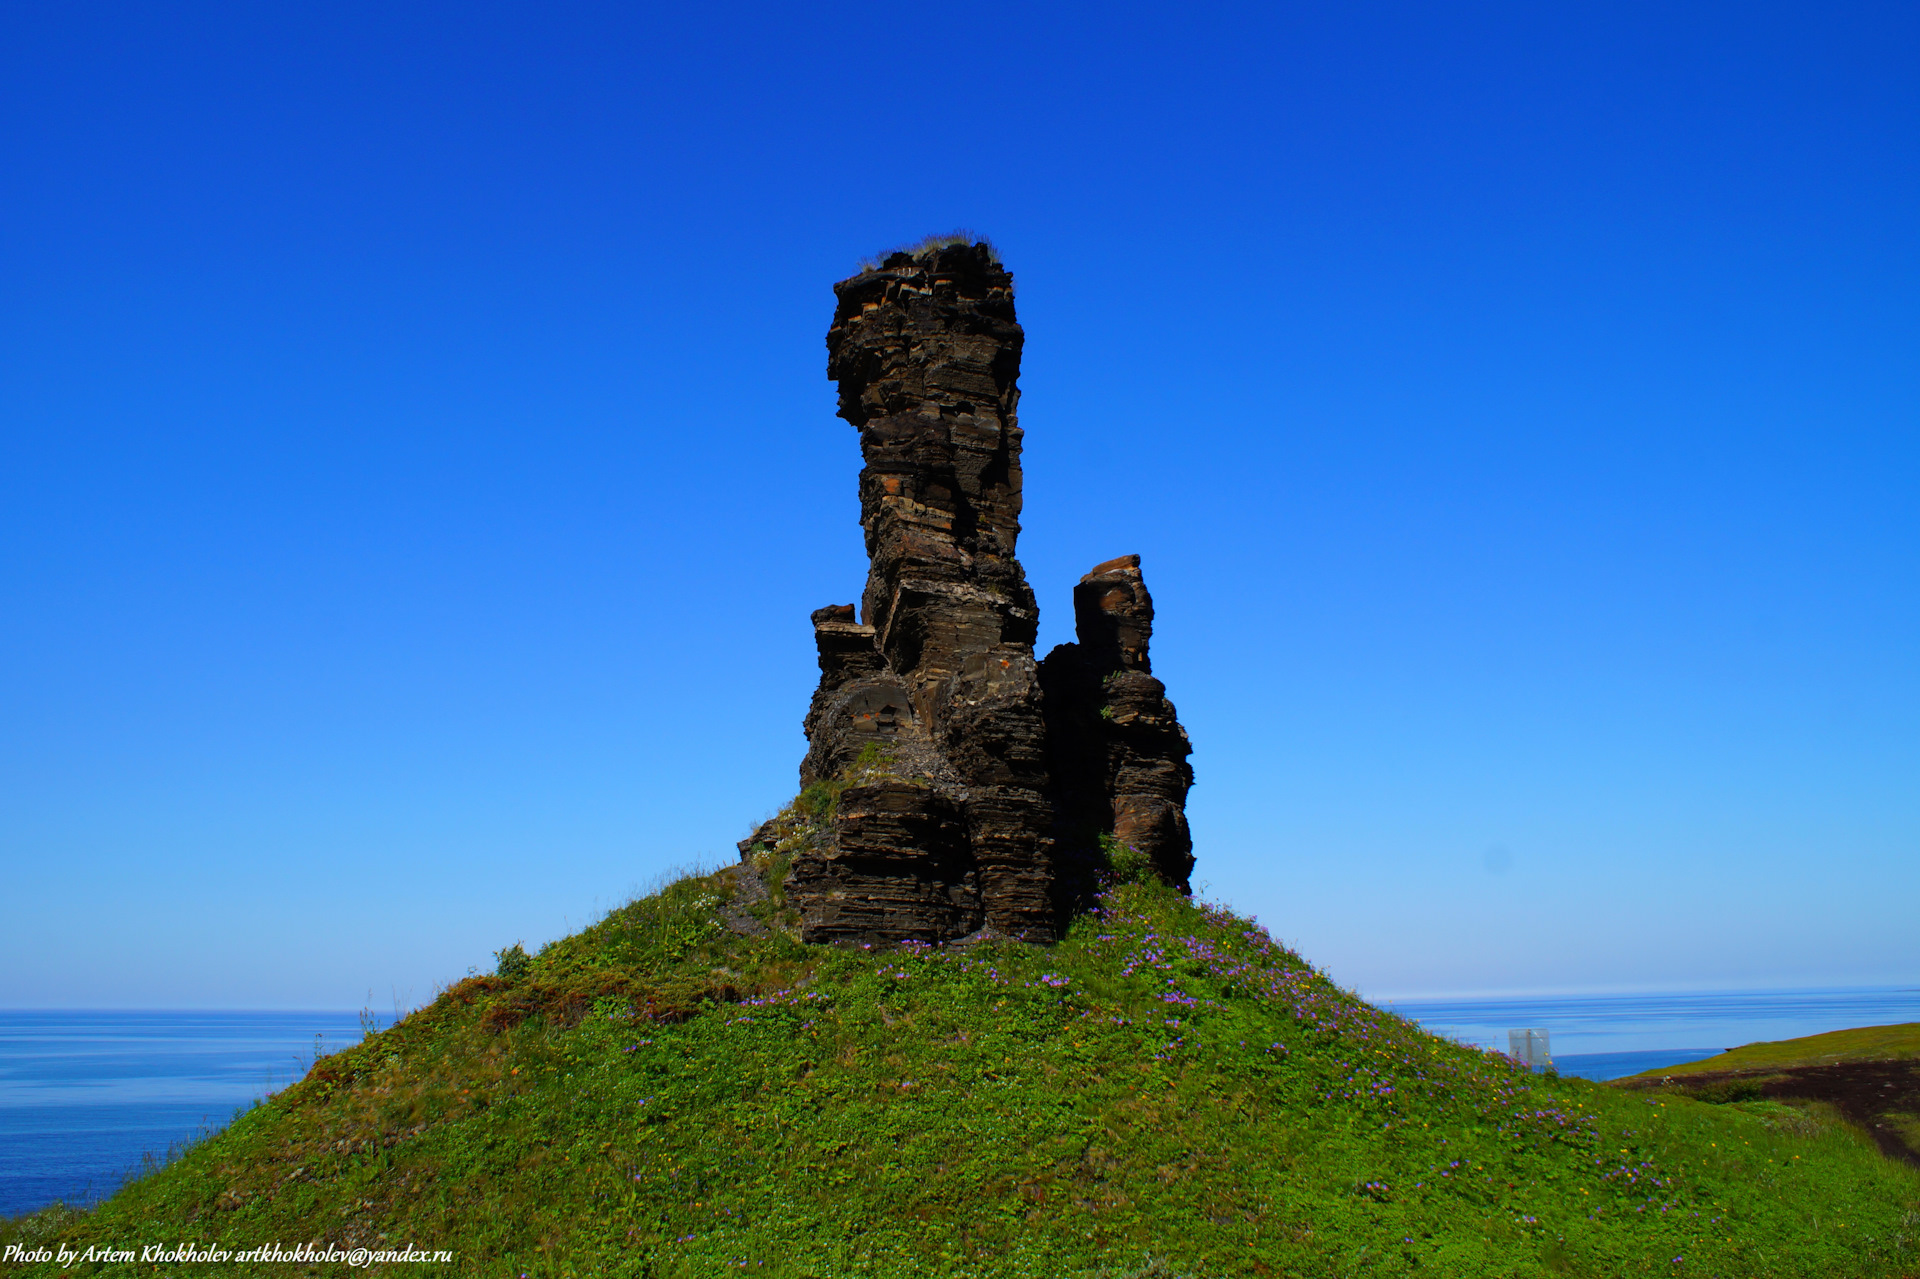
86, 1097
1611, 1036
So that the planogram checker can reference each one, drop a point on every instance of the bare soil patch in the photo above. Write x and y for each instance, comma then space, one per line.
1872, 1094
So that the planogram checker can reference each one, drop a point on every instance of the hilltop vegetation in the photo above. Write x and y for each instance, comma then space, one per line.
1165, 1091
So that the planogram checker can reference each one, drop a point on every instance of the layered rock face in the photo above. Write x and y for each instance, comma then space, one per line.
928, 812
1116, 749
946, 828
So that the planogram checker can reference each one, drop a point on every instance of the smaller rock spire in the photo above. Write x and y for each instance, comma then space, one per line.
1116, 752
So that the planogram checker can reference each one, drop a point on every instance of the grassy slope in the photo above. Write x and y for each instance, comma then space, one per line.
1166, 1080
1867, 1043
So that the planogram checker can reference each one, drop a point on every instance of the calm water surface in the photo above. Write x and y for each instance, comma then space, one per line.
85, 1095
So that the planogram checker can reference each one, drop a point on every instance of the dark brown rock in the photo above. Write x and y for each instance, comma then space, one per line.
934, 690
927, 811
1116, 749
897, 868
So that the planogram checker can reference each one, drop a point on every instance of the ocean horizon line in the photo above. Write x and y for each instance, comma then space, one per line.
1632, 992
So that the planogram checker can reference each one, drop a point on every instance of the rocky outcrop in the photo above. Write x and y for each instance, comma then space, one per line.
1116, 749
934, 685
927, 811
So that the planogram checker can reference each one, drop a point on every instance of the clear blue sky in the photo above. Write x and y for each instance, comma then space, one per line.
419, 463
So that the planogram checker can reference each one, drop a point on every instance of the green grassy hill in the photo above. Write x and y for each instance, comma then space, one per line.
1868, 1077
1166, 1091
1866, 1043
